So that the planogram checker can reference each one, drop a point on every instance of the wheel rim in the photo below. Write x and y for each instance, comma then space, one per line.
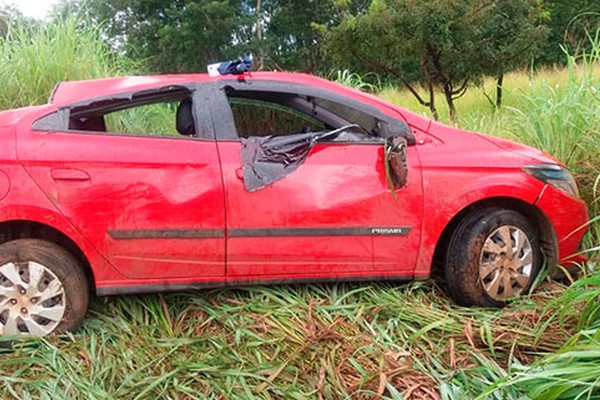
506, 262
32, 299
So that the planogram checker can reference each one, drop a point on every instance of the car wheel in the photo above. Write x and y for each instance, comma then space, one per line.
493, 255
43, 289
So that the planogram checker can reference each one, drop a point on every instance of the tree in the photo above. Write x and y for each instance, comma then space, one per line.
569, 24
512, 32
185, 35
292, 36
171, 36
11, 18
439, 43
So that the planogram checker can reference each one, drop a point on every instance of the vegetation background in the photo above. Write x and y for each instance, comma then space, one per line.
336, 341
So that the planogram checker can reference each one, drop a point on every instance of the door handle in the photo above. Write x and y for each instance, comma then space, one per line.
69, 174
239, 172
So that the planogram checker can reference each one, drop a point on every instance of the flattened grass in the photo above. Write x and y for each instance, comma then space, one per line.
306, 341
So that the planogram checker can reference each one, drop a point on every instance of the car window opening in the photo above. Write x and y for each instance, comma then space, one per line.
163, 112
263, 113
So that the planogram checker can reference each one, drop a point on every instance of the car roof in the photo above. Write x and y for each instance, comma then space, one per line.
74, 91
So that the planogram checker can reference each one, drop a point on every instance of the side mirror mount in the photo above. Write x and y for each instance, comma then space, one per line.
396, 167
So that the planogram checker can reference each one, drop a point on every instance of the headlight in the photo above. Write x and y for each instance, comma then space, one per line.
555, 175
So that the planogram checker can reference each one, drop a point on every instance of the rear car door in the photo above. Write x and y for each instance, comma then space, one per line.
138, 175
335, 215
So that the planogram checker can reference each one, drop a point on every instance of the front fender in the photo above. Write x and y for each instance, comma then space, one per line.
448, 191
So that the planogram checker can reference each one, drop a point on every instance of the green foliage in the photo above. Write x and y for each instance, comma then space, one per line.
10, 18
572, 371
369, 82
169, 36
293, 30
290, 42
33, 59
468, 38
278, 342
569, 23
441, 43
186, 35
149, 119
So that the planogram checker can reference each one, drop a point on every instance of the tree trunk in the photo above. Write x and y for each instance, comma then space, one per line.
430, 87
499, 82
434, 111
260, 59
450, 101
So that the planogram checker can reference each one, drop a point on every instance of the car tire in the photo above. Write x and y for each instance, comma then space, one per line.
43, 289
482, 268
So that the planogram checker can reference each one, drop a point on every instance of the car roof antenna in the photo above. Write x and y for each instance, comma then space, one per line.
240, 66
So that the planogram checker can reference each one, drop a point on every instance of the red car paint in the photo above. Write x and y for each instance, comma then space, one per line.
103, 190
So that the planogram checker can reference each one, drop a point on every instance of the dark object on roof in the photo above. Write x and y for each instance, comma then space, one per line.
236, 67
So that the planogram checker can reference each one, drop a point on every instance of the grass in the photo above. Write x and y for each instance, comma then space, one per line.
326, 341
555, 110
33, 59
336, 341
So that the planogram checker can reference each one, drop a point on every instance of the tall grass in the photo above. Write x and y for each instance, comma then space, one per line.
571, 372
557, 111
34, 58
370, 82
321, 341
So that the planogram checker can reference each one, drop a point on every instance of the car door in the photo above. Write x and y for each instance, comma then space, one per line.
335, 215
149, 198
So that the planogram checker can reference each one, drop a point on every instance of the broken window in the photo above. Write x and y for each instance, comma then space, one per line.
264, 113
157, 119
278, 129
255, 117
160, 112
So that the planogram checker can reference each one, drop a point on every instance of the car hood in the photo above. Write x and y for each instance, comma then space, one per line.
520, 148
479, 150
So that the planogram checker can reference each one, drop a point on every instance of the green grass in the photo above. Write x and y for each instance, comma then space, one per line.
555, 110
326, 341
33, 59
284, 342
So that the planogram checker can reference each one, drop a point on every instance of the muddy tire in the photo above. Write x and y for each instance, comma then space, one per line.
493, 255
43, 289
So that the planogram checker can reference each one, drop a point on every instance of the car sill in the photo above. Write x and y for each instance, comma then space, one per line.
173, 287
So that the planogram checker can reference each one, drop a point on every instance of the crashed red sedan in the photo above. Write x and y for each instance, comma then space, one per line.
162, 183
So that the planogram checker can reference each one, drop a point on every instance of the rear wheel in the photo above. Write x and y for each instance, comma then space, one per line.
493, 255
43, 289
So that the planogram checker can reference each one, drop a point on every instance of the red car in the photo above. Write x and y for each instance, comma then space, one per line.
161, 183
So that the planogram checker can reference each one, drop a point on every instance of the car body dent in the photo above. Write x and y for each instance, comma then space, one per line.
450, 170
339, 186
134, 185
39, 209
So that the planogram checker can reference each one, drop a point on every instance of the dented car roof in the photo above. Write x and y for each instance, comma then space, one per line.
72, 91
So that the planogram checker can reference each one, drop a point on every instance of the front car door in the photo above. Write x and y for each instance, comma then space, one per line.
335, 215
138, 175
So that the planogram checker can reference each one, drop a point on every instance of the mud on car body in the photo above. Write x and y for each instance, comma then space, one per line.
257, 179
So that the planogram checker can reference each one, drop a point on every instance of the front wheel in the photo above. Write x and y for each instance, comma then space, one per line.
493, 255
43, 289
